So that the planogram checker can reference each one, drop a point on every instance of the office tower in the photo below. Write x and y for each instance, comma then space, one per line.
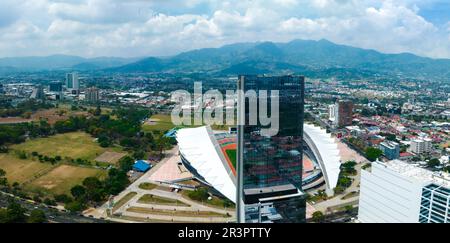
92, 95
2, 90
72, 82
38, 93
420, 146
345, 113
391, 150
398, 192
270, 167
56, 87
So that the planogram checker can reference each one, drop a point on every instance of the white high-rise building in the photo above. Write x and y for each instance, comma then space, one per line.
398, 192
419, 146
333, 113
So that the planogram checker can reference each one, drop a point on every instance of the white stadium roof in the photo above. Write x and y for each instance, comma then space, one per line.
200, 148
326, 151
203, 153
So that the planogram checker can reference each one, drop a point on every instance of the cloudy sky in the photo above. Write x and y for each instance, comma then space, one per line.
133, 28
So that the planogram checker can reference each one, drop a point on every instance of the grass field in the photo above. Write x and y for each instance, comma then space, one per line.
214, 202
74, 145
176, 213
110, 157
158, 123
62, 178
232, 155
44, 177
124, 200
153, 199
147, 186
164, 123
20, 171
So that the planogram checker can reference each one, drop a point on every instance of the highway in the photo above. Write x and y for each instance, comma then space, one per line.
52, 214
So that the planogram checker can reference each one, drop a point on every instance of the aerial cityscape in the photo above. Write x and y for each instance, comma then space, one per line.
224, 112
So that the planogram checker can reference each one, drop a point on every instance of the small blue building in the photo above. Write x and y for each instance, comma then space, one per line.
141, 166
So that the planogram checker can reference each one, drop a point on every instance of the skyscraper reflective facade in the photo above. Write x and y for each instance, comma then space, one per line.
270, 167
72, 81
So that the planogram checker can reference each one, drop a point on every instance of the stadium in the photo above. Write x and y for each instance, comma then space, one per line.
211, 157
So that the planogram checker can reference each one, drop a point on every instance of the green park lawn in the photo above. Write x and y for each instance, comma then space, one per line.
153, 199
73, 145
62, 178
45, 178
21, 171
180, 213
124, 200
161, 123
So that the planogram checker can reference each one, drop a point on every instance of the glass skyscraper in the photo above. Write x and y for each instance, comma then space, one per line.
270, 167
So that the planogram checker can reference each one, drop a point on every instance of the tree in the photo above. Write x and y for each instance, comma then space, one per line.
3, 216
139, 155
373, 153
15, 213
433, 163
63, 198
3, 180
37, 216
126, 163
447, 169
75, 206
349, 167
162, 143
318, 217
116, 182
98, 111
94, 189
201, 194
78, 192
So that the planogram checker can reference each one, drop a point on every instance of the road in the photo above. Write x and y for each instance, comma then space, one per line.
102, 210
53, 214
338, 200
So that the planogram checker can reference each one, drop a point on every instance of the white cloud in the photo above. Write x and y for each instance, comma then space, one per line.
140, 27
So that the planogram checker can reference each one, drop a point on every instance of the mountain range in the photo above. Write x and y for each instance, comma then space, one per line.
61, 62
298, 56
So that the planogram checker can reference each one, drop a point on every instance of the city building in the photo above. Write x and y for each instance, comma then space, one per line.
420, 146
38, 93
333, 113
270, 167
56, 87
345, 113
391, 150
92, 95
398, 192
72, 82
372, 130
142, 166
2, 90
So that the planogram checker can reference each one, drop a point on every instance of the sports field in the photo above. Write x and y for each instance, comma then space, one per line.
231, 154
35, 176
46, 178
110, 157
20, 171
62, 178
73, 145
